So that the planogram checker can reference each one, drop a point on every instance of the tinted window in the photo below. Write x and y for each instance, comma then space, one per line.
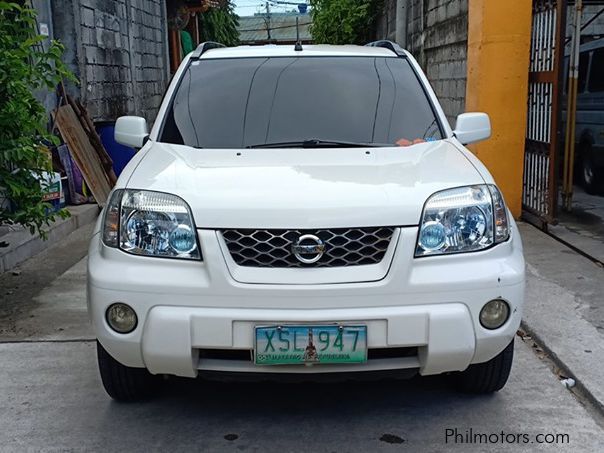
583, 67
596, 75
565, 78
233, 103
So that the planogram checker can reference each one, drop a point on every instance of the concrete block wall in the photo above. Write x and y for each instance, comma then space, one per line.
437, 35
118, 50
43, 8
386, 22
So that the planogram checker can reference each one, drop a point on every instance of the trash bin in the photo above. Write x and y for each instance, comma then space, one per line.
120, 154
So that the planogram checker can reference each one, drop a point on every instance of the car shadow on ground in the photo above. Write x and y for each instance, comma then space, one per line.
333, 414
303, 395
347, 395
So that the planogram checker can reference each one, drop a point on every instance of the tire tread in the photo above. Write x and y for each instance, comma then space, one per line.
487, 377
123, 383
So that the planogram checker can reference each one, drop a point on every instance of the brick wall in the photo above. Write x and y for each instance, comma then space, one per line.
117, 48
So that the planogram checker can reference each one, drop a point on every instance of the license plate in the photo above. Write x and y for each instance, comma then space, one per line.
306, 345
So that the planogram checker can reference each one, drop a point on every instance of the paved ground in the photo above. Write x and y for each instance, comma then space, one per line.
584, 226
51, 397
23, 292
565, 307
18, 245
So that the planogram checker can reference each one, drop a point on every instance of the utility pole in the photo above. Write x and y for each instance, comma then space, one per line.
401, 23
267, 20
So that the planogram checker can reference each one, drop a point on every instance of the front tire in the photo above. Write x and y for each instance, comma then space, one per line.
487, 377
123, 383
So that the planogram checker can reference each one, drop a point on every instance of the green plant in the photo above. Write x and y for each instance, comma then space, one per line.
343, 21
25, 66
220, 24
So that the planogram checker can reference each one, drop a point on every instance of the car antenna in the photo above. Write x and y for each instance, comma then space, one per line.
298, 46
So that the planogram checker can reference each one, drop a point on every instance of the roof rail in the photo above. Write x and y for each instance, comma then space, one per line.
388, 45
203, 47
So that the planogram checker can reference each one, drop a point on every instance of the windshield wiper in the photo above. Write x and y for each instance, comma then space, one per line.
317, 143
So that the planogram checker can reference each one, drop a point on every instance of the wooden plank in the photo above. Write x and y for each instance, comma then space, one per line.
83, 153
95, 140
90, 130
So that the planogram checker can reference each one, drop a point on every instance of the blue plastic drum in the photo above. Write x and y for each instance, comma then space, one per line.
120, 154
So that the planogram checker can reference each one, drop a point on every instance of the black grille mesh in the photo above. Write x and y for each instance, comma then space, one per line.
343, 246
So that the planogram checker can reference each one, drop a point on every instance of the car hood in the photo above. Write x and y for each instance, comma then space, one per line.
303, 188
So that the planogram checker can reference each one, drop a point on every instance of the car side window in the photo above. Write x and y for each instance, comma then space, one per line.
596, 76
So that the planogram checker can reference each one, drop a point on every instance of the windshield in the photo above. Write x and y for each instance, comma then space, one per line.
251, 102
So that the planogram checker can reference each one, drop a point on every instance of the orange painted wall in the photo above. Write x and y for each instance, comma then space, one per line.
499, 35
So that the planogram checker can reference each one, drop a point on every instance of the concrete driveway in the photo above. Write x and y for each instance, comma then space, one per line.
51, 398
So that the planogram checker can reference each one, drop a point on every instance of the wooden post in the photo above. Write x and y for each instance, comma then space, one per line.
175, 50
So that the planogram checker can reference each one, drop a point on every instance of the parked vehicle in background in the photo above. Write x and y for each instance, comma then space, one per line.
589, 130
304, 211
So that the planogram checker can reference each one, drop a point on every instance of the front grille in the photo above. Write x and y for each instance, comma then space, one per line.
343, 246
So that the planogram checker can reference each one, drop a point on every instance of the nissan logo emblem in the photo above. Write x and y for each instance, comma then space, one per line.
308, 248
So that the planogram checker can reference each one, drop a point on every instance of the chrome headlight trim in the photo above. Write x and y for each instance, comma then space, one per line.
474, 218
142, 223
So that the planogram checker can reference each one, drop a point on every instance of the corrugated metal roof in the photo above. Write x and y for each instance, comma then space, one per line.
252, 29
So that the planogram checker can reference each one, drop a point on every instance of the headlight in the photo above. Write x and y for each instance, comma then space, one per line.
150, 224
464, 219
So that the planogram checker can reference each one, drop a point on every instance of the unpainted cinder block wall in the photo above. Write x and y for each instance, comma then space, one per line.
386, 21
118, 50
437, 36
44, 18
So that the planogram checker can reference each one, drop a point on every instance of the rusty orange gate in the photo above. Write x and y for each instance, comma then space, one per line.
539, 192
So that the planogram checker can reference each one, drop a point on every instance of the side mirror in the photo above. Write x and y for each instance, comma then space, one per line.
131, 131
472, 127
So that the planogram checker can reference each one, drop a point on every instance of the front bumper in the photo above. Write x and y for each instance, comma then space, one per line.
187, 307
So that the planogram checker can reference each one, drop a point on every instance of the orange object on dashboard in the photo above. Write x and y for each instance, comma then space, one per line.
405, 142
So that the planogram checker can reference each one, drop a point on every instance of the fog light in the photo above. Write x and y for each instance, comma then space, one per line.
121, 318
494, 314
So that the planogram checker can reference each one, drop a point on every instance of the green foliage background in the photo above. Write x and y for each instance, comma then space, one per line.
344, 21
220, 25
25, 67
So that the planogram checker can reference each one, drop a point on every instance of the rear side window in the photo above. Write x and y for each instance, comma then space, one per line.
596, 76
234, 103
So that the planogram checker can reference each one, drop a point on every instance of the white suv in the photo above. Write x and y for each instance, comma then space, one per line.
304, 213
